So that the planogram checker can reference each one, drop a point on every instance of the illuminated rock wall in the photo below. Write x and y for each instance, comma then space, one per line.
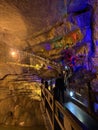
95, 26
84, 15
21, 107
19, 21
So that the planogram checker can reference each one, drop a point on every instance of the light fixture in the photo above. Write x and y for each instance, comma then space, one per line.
66, 67
13, 53
71, 93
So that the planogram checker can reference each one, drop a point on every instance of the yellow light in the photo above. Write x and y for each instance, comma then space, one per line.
37, 65
13, 53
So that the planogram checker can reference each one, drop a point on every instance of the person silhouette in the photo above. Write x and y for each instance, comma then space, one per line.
59, 88
46, 84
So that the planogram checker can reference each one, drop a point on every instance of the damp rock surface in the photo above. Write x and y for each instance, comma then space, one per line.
12, 113
20, 109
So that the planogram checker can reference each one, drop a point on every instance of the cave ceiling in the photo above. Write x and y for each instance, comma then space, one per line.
32, 25
35, 26
21, 21
24, 24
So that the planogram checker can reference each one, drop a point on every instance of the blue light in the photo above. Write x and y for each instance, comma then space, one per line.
96, 42
71, 93
96, 107
76, 5
66, 67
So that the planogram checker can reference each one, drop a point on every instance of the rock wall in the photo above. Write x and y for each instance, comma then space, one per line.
95, 26
84, 15
19, 110
20, 103
20, 21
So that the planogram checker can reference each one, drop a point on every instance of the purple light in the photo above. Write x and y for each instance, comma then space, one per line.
49, 67
47, 46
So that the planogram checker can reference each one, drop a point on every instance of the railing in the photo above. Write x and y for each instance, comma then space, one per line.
59, 118
87, 98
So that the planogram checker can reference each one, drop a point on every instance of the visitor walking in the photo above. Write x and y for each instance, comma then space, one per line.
59, 88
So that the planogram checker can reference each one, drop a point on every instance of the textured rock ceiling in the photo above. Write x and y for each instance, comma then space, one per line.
41, 27
20, 21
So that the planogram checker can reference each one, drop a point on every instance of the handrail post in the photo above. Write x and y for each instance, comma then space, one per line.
53, 114
67, 125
